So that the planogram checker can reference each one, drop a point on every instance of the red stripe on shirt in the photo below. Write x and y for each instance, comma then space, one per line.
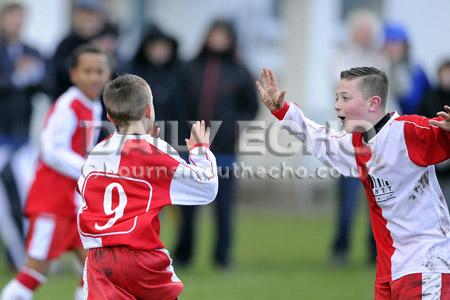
383, 238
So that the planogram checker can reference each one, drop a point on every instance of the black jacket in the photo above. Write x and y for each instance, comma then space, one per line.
219, 87
15, 102
432, 103
163, 80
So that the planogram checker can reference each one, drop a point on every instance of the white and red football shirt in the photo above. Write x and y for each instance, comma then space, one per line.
408, 212
128, 179
67, 135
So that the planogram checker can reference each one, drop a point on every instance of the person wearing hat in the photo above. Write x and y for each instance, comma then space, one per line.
409, 82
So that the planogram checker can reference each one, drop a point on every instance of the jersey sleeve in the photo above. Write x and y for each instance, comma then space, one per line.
196, 182
426, 144
56, 143
331, 147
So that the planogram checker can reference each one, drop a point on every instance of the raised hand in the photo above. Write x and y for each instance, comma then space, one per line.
271, 95
199, 135
154, 131
444, 124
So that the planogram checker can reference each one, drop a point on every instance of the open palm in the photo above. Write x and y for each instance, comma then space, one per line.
271, 95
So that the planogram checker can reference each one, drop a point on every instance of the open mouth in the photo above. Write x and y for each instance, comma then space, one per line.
342, 118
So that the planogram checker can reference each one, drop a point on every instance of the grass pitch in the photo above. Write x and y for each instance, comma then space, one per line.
277, 256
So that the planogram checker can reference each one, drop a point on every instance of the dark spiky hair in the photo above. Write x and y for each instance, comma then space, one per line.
85, 48
374, 82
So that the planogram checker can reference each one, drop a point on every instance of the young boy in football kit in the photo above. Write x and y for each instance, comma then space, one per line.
394, 156
51, 204
126, 181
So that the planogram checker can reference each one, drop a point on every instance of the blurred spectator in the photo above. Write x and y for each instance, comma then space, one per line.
407, 80
88, 21
108, 41
22, 70
156, 61
434, 101
217, 86
361, 49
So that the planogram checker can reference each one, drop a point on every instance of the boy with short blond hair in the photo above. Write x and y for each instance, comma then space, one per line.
127, 180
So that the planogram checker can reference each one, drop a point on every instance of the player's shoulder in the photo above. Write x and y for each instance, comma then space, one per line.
414, 121
74, 100
162, 146
111, 145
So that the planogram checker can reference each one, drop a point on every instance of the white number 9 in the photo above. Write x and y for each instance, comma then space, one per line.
107, 205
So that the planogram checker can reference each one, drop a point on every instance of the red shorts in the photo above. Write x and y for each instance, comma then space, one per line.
414, 287
50, 236
121, 273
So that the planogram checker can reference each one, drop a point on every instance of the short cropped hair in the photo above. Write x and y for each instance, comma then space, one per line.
126, 98
374, 82
85, 48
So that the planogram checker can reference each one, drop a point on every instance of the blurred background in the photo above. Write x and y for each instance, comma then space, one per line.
267, 238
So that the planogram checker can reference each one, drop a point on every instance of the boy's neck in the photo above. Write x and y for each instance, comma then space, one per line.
133, 127
377, 118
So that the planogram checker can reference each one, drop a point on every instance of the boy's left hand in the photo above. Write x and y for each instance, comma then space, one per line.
154, 132
444, 124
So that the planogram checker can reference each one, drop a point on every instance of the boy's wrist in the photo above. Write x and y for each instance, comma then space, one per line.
281, 112
206, 145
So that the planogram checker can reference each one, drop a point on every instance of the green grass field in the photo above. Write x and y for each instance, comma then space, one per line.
277, 256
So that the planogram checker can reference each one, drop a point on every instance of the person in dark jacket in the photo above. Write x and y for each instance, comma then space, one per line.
217, 87
433, 102
156, 60
22, 70
408, 80
89, 19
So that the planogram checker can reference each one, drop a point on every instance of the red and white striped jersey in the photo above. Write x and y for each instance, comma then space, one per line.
67, 135
409, 215
128, 179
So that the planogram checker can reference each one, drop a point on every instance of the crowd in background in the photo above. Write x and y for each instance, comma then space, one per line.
214, 85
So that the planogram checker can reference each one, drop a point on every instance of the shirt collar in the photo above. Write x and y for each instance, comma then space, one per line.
369, 134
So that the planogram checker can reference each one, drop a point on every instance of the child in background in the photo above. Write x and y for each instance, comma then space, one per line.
51, 206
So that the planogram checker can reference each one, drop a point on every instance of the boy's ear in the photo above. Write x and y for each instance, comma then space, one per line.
374, 103
148, 111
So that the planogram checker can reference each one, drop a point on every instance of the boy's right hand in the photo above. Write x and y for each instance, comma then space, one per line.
199, 136
444, 124
271, 95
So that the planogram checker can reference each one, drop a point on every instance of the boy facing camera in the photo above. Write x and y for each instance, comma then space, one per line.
394, 156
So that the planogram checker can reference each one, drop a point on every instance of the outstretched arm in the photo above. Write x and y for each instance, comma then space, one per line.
333, 148
445, 123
